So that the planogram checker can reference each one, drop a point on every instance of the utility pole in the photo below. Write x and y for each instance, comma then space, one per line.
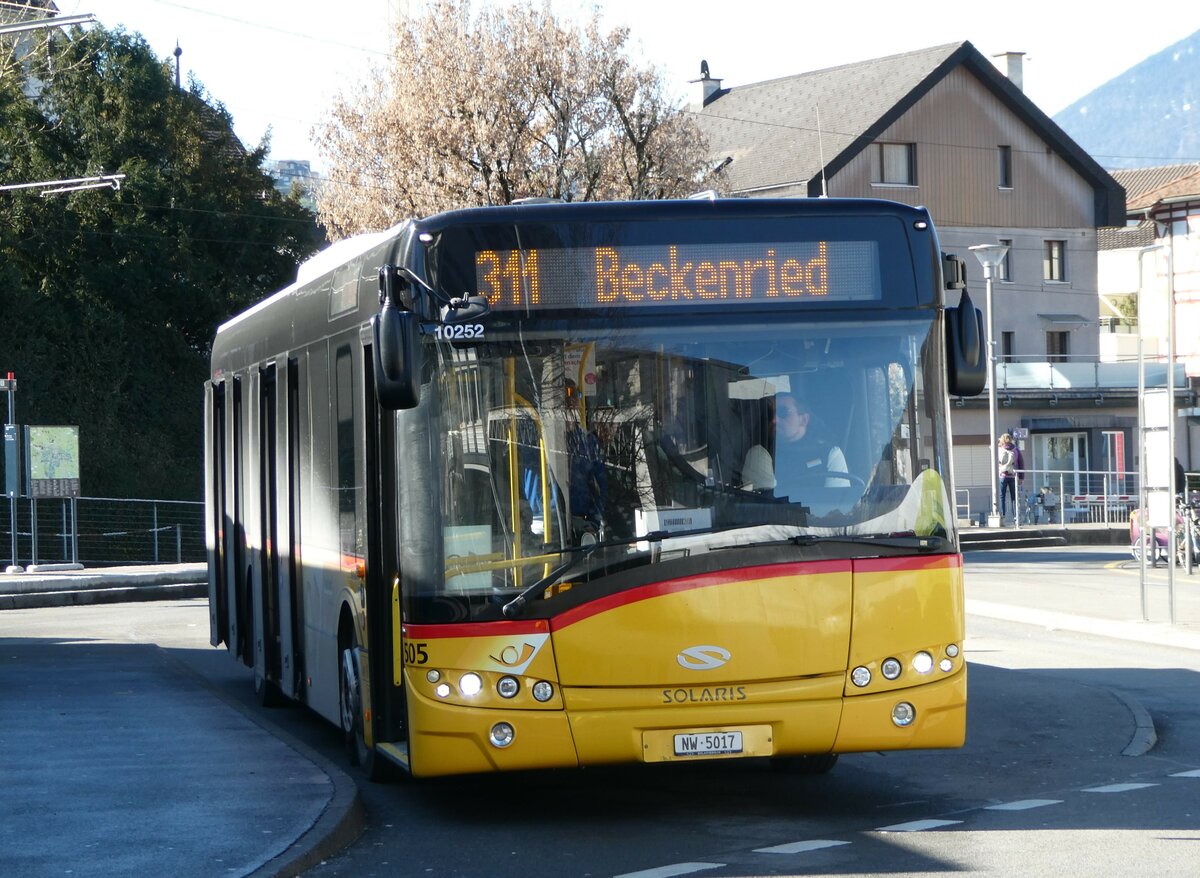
12, 463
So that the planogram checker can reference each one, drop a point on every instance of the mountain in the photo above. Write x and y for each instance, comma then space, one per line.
1147, 116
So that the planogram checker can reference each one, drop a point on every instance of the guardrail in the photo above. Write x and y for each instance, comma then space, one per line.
104, 531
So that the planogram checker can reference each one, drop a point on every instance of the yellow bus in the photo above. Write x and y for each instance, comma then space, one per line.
552, 485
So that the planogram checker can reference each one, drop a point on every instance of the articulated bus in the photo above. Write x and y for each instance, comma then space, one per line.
510, 487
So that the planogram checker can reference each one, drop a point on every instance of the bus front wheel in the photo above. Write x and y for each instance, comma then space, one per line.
352, 717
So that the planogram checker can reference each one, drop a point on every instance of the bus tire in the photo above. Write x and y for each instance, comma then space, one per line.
817, 763
350, 700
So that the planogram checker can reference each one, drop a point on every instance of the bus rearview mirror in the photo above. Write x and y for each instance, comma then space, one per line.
397, 337
966, 357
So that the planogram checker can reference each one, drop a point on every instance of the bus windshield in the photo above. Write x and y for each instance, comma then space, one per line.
662, 439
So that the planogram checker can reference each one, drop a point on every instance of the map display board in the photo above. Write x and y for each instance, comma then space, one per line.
52, 454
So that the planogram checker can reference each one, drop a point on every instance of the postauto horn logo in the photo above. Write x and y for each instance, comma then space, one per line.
703, 658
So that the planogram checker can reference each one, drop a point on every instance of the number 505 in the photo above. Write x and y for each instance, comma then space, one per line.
415, 653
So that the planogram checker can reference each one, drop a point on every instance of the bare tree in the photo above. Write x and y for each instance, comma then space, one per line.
479, 107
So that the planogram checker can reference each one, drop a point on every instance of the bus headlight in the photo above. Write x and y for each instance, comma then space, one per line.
890, 668
470, 684
861, 676
508, 687
542, 691
952, 650
501, 735
922, 662
903, 714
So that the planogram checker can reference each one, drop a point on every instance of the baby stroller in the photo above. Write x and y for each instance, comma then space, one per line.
1157, 547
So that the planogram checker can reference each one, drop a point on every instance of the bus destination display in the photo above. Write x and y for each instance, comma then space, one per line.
679, 274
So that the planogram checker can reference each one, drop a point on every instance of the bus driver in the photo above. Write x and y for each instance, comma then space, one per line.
802, 458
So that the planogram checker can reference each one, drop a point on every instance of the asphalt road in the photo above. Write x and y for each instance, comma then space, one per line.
1042, 788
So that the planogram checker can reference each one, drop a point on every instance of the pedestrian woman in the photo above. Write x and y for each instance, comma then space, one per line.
1006, 457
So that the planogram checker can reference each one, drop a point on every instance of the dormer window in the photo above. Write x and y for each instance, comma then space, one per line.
894, 164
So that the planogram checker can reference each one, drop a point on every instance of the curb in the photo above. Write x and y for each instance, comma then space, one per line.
113, 595
1144, 735
341, 821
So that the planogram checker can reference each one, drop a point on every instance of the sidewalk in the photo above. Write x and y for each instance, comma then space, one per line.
1097, 591
118, 760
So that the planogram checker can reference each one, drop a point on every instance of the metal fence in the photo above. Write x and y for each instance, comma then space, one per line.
1065, 497
103, 531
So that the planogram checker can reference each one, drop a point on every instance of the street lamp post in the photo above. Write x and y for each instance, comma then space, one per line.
990, 256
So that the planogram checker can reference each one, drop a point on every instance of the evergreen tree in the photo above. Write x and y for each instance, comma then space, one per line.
109, 299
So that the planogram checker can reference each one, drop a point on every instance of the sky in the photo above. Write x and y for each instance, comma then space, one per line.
277, 64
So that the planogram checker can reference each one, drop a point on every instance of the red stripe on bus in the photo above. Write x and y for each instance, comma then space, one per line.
478, 629
908, 562
706, 580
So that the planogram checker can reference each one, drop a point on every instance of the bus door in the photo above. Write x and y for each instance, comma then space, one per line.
267, 590
218, 515
236, 556
383, 578
291, 606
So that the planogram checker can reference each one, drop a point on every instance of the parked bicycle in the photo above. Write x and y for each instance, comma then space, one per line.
1155, 541
1157, 546
1187, 535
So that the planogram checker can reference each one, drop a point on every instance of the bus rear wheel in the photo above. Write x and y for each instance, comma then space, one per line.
350, 699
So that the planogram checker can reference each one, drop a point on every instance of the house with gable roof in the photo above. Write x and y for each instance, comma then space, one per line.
943, 127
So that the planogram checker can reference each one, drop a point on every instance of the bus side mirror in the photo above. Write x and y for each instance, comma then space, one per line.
396, 348
966, 357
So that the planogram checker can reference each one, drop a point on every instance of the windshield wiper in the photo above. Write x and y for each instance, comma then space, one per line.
907, 540
582, 553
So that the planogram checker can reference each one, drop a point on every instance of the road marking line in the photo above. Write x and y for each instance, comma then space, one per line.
1119, 787
917, 825
1023, 805
1193, 773
801, 847
672, 871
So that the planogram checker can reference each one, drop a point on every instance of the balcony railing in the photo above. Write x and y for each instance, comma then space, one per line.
1082, 373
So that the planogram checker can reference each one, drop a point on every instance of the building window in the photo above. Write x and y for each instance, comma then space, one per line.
1007, 342
1054, 260
894, 164
1004, 269
1057, 346
1004, 154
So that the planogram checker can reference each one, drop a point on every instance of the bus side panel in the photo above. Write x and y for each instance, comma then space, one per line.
903, 607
